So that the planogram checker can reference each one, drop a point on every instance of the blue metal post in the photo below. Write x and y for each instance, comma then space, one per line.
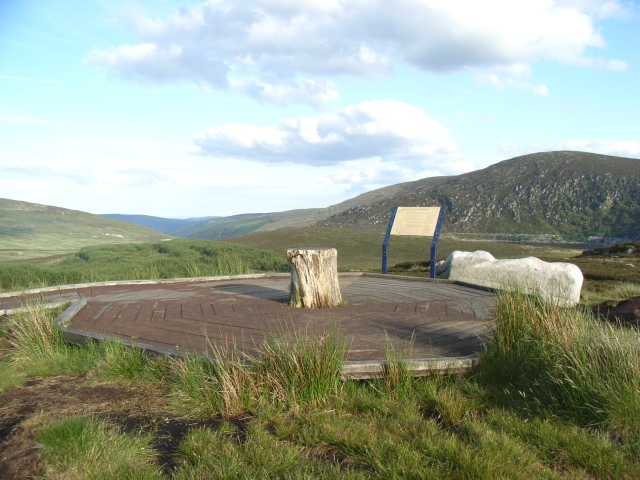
387, 236
434, 243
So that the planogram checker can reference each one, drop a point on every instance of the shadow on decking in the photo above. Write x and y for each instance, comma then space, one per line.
257, 291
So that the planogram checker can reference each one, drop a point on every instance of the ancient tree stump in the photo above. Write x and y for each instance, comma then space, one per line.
314, 277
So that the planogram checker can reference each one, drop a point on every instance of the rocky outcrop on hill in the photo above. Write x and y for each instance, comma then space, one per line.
573, 196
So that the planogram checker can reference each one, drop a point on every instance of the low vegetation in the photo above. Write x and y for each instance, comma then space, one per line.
360, 248
556, 397
169, 259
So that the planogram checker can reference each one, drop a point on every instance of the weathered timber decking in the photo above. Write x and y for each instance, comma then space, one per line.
444, 319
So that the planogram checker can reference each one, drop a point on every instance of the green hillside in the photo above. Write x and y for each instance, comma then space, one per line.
237, 225
542, 197
573, 196
30, 230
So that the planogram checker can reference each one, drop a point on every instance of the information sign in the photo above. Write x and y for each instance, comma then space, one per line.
417, 221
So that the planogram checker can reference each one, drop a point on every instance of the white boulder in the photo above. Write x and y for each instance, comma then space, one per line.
559, 283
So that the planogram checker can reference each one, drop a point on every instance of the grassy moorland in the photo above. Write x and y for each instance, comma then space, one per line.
360, 248
557, 394
169, 259
556, 397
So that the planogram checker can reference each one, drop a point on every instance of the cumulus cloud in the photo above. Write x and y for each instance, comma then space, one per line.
382, 129
274, 49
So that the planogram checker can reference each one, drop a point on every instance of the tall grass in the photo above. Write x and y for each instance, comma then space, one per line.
224, 385
289, 371
301, 368
564, 361
39, 348
397, 377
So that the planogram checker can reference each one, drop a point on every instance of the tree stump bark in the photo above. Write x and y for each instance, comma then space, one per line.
314, 277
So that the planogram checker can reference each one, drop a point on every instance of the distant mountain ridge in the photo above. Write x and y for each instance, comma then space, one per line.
565, 195
160, 224
548, 196
237, 225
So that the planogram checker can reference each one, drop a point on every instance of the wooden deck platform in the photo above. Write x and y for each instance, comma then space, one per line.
444, 319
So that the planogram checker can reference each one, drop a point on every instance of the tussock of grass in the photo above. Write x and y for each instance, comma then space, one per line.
131, 364
288, 372
39, 347
563, 360
224, 385
397, 378
302, 369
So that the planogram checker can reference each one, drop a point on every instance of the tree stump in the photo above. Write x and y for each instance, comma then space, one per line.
314, 277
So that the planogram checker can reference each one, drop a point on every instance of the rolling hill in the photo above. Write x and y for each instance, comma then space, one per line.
570, 196
30, 230
542, 197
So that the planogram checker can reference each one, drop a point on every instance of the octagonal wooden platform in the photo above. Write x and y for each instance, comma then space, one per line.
440, 319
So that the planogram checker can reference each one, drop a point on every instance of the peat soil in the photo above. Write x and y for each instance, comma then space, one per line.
623, 312
131, 408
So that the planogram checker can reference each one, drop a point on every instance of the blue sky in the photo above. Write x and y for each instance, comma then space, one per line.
187, 109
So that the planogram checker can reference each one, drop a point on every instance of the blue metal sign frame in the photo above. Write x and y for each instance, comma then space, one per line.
434, 243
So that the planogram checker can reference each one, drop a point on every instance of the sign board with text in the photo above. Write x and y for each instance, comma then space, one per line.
415, 221
418, 221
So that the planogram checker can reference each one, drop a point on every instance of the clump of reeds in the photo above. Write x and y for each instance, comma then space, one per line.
566, 361
304, 369
33, 336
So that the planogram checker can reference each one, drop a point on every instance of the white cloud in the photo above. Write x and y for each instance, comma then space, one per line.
273, 49
153, 63
316, 93
501, 82
601, 8
386, 130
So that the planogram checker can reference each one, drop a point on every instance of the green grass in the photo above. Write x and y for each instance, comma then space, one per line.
360, 248
39, 349
556, 396
86, 448
171, 259
564, 361
291, 370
